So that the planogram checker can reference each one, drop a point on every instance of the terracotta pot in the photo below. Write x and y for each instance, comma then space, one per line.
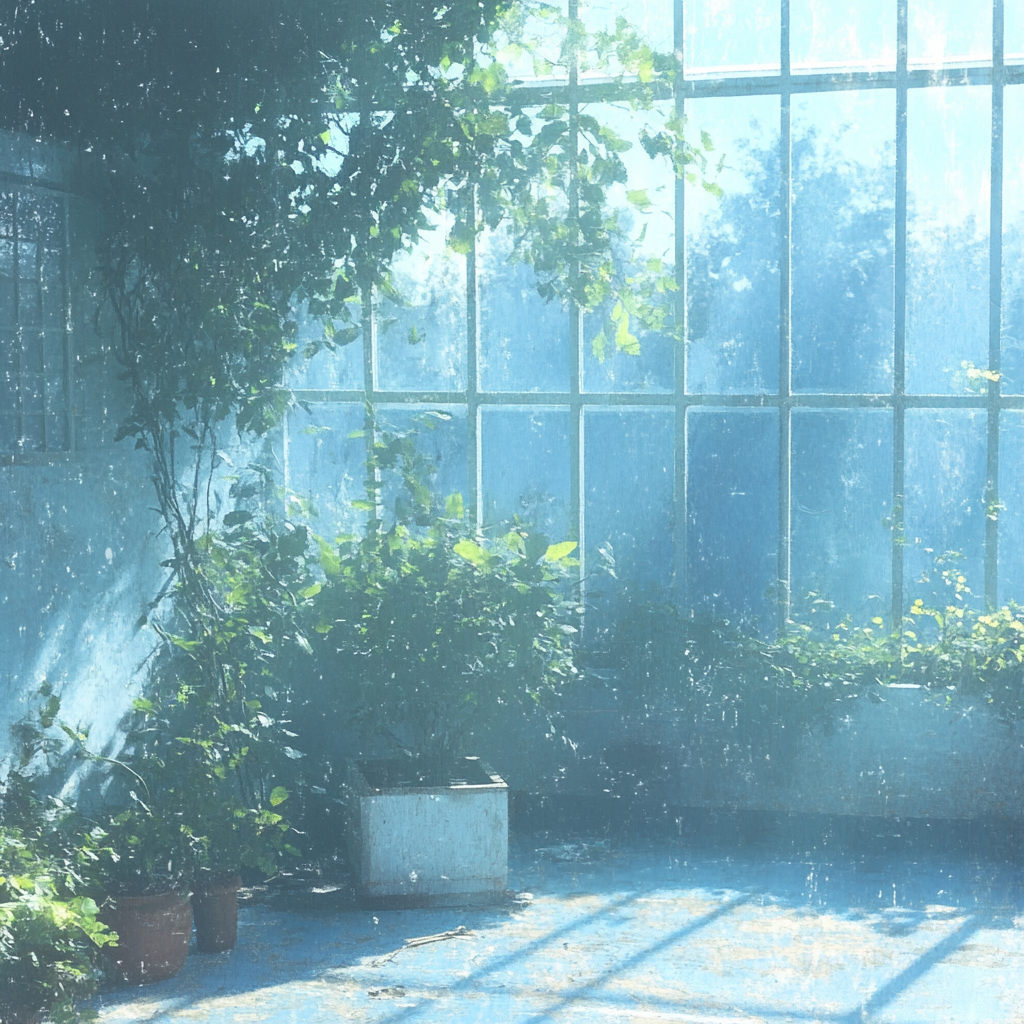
215, 908
153, 934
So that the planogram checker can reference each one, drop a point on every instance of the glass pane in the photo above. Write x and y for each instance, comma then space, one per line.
944, 477
340, 369
421, 335
1013, 31
1011, 516
949, 32
650, 226
628, 473
525, 460
651, 18
733, 37
443, 442
732, 474
948, 182
843, 183
325, 465
841, 508
732, 251
536, 42
840, 34
1012, 365
524, 340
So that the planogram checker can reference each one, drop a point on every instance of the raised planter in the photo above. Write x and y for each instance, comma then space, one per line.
153, 933
424, 839
215, 911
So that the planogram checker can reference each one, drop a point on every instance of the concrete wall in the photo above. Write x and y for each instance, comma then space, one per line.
79, 555
904, 756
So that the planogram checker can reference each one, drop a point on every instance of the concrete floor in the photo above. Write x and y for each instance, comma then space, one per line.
622, 931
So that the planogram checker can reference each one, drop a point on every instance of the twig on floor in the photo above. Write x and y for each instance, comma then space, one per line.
423, 940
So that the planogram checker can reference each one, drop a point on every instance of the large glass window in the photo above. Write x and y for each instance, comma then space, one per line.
845, 406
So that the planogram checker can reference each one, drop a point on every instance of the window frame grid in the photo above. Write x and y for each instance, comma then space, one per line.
785, 84
19, 185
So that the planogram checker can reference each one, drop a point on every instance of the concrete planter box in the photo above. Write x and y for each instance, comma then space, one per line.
418, 841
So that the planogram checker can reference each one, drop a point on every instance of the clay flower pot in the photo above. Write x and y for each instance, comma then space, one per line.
215, 908
153, 935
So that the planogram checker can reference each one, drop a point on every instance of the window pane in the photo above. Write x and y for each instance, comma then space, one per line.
732, 37
947, 237
949, 32
732, 247
326, 466
1012, 366
843, 183
1013, 31
340, 369
841, 508
524, 340
422, 335
733, 496
945, 495
628, 474
835, 34
651, 18
651, 230
441, 439
538, 43
525, 461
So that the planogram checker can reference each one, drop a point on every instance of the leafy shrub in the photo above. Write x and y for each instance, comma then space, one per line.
49, 934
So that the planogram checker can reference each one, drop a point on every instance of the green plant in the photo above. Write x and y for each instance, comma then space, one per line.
49, 932
426, 629
806, 675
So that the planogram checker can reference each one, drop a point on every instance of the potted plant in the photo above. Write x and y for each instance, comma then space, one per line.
209, 785
429, 635
146, 880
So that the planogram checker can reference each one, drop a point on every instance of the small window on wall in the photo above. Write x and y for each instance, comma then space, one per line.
35, 413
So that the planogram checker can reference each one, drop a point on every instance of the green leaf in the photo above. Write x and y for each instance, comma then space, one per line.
556, 552
638, 197
278, 796
454, 507
624, 341
311, 591
472, 552
329, 560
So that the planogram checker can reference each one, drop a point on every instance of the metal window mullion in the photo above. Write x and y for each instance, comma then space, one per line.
474, 475
40, 332
19, 375
994, 318
369, 325
67, 347
577, 503
785, 321
681, 514
899, 316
